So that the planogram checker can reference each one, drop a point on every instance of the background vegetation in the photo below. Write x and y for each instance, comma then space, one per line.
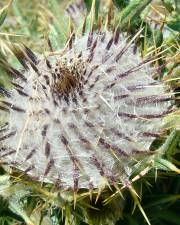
35, 22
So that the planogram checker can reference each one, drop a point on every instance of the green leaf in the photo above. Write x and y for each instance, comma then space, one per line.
158, 38
174, 23
88, 4
177, 5
132, 10
169, 216
121, 3
168, 5
161, 199
97, 8
170, 144
167, 164
132, 220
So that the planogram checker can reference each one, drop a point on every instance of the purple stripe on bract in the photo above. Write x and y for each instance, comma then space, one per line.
49, 167
116, 36
7, 136
47, 149
98, 164
109, 44
8, 153
145, 116
152, 99
30, 155
90, 39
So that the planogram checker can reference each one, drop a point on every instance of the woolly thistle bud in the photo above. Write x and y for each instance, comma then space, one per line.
76, 117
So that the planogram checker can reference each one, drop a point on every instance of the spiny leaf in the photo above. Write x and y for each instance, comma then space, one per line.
167, 164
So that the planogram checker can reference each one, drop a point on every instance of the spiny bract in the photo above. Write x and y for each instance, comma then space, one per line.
77, 116
76, 11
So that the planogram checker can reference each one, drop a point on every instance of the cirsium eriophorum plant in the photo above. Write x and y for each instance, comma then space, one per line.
81, 118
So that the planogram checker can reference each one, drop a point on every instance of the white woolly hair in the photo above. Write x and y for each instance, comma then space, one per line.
77, 116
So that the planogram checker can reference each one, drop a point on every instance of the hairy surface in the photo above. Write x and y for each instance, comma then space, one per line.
73, 117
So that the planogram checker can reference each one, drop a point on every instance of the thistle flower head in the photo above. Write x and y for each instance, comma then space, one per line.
77, 116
